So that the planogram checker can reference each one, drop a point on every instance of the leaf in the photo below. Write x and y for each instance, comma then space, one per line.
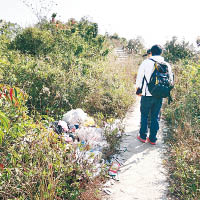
1, 136
4, 121
15, 91
50, 186
11, 93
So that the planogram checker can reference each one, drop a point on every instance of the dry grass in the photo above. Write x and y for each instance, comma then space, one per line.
183, 138
92, 190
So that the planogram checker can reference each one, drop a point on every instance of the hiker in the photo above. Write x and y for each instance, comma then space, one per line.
150, 104
148, 53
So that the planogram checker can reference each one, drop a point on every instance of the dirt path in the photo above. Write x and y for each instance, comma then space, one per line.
142, 175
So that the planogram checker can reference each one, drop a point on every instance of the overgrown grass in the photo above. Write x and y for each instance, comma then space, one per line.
113, 89
183, 117
55, 69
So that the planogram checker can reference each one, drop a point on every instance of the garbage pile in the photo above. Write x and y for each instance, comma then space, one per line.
77, 126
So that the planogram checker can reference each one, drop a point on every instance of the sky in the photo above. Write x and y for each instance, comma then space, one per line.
156, 21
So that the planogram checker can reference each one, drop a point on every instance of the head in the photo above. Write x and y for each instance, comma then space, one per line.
156, 50
148, 53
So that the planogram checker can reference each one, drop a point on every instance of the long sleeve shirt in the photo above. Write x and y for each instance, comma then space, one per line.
146, 69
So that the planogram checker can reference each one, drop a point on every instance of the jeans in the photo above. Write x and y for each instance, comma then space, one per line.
150, 105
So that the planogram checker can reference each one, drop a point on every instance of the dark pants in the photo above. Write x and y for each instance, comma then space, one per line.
150, 105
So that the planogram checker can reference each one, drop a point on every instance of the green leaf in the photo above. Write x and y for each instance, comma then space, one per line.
15, 92
1, 136
4, 121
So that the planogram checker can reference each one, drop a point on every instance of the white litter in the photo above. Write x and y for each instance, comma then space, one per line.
75, 116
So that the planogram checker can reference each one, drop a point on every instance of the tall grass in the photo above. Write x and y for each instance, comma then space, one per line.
183, 117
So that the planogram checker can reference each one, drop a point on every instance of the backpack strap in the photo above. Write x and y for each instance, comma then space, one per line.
155, 65
152, 60
144, 79
169, 99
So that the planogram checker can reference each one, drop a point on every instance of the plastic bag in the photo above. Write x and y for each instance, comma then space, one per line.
75, 116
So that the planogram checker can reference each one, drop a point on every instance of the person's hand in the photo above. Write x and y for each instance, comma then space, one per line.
138, 92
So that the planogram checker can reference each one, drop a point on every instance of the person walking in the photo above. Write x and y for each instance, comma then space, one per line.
149, 104
147, 54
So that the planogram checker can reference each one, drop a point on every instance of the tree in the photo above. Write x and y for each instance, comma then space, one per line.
175, 51
40, 8
135, 45
34, 41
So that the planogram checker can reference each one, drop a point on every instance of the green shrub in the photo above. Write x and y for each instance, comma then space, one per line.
54, 68
135, 45
175, 51
35, 163
183, 115
34, 41
70, 76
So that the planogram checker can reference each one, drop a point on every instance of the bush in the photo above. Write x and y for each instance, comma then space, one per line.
34, 41
112, 89
135, 45
54, 68
34, 161
183, 115
175, 51
73, 73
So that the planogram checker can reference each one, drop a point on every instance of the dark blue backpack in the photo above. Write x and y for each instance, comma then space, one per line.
159, 84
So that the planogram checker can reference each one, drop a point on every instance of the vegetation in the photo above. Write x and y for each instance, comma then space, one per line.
62, 66
183, 117
175, 50
45, 71
53, 67
135, 45
34, 164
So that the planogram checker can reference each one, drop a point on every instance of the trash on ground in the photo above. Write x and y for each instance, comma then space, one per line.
75, 116
107, 191
114, 168
79, 129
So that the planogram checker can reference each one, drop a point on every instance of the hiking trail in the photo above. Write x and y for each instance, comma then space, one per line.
142, 175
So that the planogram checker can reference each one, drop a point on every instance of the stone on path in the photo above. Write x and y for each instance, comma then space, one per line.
142, 175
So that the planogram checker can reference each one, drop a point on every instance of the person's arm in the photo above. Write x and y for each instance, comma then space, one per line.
140, 76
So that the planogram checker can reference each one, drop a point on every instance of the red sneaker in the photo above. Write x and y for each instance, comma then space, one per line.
141, 140
153, 143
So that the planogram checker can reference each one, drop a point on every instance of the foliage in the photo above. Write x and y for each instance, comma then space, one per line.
198, 41
35, 163
8, 31
113, 133
135, 45
114, 36
175, 51
34, 41
183, 115
40, 166
66, 69
113, 93
45, 71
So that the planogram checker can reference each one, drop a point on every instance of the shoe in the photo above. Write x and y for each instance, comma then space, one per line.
153, 143
141, 140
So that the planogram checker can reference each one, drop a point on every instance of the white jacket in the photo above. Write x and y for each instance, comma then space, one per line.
146, 69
